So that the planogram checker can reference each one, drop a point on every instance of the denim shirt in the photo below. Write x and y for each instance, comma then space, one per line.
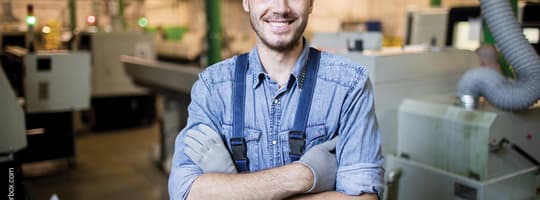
342, 105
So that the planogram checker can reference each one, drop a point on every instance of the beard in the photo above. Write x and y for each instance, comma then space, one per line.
281, 46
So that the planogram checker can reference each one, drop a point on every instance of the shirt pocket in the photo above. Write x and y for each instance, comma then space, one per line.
252, 138
315, 134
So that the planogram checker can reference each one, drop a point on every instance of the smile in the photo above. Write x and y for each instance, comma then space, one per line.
279, 26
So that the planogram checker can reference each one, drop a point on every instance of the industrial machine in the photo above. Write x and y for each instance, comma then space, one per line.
173, 82
116, 101
49, 87
55, 85
57, 81
456, 153
397, 74
480, 142
12, 140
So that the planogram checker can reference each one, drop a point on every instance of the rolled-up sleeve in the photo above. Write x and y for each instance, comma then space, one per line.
360, 161
201, 110
183, 172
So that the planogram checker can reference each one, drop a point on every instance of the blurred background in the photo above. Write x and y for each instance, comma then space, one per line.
94, 92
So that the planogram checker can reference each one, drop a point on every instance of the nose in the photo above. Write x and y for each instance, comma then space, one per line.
281, 6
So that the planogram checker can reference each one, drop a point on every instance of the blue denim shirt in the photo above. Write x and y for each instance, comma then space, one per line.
342, 105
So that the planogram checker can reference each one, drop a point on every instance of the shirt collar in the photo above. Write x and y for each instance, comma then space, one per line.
258, 72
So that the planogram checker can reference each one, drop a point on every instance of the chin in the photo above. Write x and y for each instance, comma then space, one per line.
282, 45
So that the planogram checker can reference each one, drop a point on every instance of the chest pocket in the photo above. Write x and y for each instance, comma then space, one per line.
315, 134
252, 138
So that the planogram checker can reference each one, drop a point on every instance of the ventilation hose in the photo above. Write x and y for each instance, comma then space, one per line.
511, 95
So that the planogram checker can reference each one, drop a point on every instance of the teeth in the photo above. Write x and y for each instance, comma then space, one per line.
279, 24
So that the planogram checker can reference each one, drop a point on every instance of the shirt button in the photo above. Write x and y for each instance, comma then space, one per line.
274, 142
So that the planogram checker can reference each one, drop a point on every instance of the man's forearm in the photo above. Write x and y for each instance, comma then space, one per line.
333, 195
276, 183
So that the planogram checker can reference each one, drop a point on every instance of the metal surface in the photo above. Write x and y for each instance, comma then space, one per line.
434, 132
341, 42
57, 82
420, 181
12, 127
398, 74
109, 78
161, 76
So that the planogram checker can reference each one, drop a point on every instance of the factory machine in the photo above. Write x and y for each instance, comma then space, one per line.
481, 142
13, 137
49, 86
446, 151
116, 101
173, 82
397, 74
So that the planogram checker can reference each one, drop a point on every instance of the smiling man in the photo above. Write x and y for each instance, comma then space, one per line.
282, 121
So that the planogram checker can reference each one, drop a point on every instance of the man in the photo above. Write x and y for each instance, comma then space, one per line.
340, 116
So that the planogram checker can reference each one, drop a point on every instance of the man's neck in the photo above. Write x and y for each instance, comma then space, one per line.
279, 64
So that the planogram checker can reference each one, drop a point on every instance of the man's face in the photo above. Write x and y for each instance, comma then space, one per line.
279, 24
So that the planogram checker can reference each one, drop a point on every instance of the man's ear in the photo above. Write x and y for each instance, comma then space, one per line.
245, 4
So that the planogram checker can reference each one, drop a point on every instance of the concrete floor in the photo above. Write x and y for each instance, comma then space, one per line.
110, 165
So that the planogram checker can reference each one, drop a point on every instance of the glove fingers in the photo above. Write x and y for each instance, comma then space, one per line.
193, 155
214, 136
200, 137
194, 144
329, 145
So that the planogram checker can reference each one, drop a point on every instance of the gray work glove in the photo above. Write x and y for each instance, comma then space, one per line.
205, 147
321, 159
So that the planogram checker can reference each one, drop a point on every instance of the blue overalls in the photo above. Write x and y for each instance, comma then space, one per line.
297, 135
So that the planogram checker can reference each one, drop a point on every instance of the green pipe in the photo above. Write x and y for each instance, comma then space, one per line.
121, 13
506, 69
213, 20
73, 22
435, 3
72, 16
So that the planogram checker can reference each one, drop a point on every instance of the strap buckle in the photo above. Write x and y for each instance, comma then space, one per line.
297, 141
238, 152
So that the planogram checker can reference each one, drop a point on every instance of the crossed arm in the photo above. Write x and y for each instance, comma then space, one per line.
315, 172
284, 182
276, 183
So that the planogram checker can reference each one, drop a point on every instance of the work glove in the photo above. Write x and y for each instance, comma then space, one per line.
321, 160
205, 147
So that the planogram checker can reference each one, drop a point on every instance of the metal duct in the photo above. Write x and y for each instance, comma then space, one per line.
517, 94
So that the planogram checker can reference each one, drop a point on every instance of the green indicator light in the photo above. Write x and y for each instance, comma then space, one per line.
143, 22
31, 20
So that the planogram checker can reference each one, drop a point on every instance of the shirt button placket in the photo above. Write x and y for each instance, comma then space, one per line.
275, 104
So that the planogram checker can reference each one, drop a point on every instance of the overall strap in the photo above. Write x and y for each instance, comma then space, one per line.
297, 136
238, 144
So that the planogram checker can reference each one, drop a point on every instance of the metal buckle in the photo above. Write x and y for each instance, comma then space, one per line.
238, 148
297, 141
